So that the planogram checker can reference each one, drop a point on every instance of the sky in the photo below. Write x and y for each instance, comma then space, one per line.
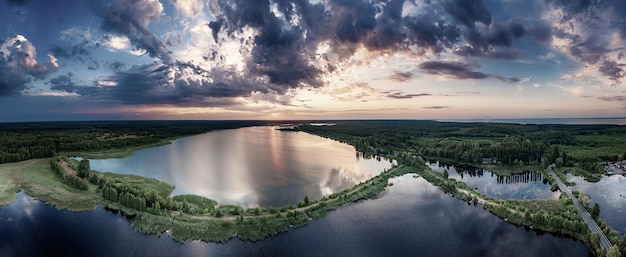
316, 59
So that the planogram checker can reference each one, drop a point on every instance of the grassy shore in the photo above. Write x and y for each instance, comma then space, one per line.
36, 178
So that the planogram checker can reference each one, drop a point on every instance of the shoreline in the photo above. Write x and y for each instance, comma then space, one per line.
249, 226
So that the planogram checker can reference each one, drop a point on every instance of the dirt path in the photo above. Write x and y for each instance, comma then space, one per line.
66, 170
300, 209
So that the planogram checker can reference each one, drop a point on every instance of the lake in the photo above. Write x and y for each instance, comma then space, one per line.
411, 218
610, 194
526, 185
254, 166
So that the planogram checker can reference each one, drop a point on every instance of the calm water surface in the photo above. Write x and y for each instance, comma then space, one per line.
256, 166
411, 218
610, 194
527, 185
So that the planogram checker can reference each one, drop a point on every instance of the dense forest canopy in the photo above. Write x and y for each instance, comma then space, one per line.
23, 141
505, 144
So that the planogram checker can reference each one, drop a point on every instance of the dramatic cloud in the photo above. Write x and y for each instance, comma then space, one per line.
459, 70
612, 70
189, 8
63, 83
592, 32
221, 52
18, 63
468, 12
131, 19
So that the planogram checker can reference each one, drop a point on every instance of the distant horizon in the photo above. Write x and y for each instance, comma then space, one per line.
478, 120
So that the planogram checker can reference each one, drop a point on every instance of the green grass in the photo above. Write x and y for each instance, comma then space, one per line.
206, 230
577, 171
36, 178
8, 187
143, 184
196, 204
255, 229
229, 209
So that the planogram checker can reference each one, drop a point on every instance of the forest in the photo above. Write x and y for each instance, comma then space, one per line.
24, 141
587, 147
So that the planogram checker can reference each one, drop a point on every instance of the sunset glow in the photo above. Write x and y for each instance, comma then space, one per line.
327, 59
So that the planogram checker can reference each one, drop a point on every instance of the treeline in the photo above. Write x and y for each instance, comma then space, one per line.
142, 194
68, 178
475, 143
23, 141
516, 152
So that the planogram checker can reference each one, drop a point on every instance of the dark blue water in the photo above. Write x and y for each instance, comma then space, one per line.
411, 218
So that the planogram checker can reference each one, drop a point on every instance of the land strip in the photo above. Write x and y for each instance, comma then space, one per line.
593, 226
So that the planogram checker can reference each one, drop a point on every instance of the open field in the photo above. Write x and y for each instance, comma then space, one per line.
36, 178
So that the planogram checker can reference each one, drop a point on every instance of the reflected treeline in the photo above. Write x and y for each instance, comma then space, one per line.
525, 177
368, 156
466, 170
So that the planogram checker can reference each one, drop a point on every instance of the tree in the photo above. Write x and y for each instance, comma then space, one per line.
185, 206
306, 200
445, 174
219, 213
614, 252
595, 211
622, 246
83, 168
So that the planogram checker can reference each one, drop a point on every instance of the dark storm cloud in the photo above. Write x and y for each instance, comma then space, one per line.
459, 71
131, 19
71, 51
20, 65
285, 53
165, 84
468, 12
400, 76
282, 54
63, 83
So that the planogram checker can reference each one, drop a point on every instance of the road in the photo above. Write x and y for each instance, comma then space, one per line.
604, 241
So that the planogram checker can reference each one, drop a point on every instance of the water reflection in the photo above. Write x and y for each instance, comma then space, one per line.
610, 194
257, 166
411, 218
526, 185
